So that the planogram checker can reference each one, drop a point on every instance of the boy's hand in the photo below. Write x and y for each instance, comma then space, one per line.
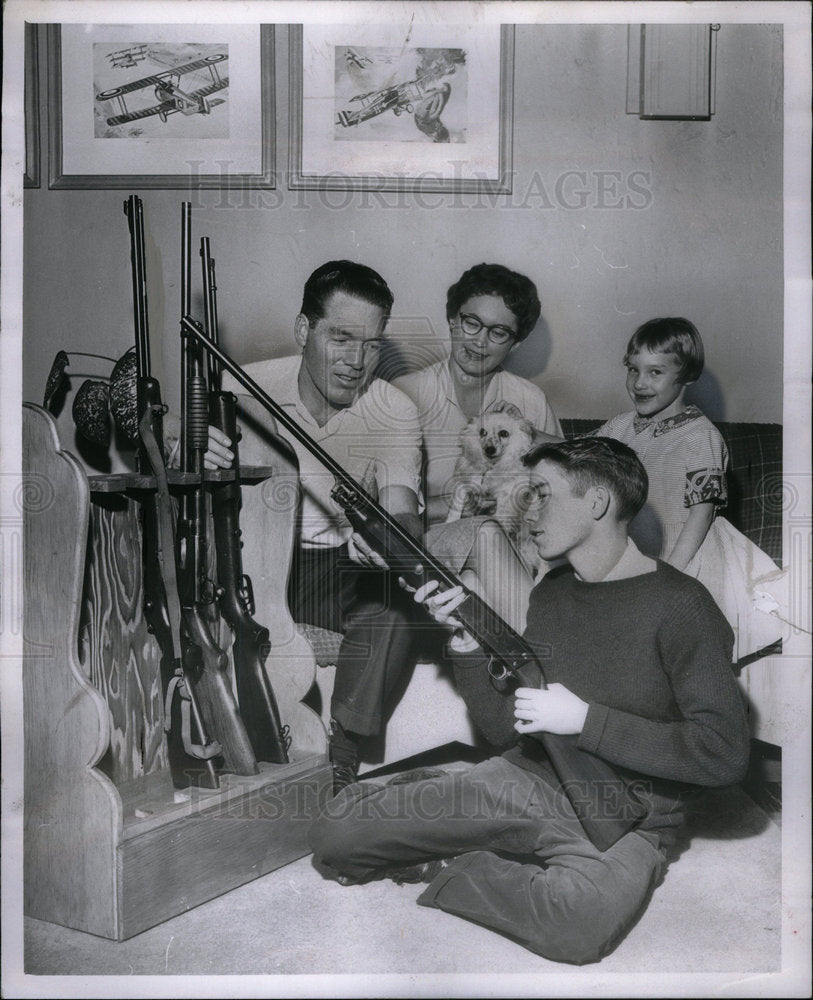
441, 607
361, 553
554, 709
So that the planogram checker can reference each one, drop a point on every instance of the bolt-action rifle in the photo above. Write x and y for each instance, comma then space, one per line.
255, 696
198, 604
606, 806
191, 752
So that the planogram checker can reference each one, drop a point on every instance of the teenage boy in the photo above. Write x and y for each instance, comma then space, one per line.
637, 657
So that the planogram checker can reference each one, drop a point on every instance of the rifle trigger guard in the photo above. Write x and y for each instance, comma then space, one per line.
213, 748
247, 594
497, 669
499, 674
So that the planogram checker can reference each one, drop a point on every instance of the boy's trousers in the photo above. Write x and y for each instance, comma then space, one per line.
522, 864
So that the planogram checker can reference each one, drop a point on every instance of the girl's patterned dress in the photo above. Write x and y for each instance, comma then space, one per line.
686, 458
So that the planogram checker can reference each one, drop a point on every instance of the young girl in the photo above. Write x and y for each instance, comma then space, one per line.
686, 458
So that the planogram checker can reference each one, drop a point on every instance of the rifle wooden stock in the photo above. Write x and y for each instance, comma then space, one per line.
190, 751
258, 705
196, 589
604, 803
192, 754
251, 644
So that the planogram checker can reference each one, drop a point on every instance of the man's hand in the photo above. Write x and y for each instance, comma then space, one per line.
218, 453
554, 709
217, 456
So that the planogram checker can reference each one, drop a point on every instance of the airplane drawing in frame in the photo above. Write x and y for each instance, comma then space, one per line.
180, 79
169, 94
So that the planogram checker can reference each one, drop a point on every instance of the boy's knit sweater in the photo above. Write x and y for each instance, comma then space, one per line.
651, 655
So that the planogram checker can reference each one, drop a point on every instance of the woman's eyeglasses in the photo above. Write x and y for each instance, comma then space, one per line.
472, 325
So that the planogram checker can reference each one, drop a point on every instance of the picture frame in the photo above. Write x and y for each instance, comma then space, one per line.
31, 112
401, 107
189, 125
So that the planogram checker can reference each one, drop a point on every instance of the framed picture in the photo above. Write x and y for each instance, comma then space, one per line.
161, 105
401, 107
31, 177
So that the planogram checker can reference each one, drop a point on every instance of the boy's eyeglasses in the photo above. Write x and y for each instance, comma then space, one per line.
472, 325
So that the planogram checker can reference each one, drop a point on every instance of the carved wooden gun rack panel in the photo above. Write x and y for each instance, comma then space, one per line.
111, 848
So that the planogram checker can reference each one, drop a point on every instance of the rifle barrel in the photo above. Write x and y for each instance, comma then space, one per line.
209, 308
186, 307
134, 210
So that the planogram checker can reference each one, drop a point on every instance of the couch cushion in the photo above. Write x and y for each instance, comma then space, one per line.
755, 493
754, 478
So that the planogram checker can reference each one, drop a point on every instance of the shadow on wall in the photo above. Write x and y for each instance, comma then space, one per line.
707, 395
411, 345
531, 357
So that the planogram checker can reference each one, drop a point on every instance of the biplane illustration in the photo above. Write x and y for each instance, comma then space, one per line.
171, 99
353, 58
125, 58
398, 99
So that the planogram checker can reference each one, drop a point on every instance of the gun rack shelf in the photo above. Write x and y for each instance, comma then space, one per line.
111, 848
120, 482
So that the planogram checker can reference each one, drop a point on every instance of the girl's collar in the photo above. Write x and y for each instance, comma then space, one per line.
668, 423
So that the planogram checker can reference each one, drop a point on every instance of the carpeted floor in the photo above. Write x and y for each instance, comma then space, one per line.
716, 912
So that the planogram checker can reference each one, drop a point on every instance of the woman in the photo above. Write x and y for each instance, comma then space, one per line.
490, 310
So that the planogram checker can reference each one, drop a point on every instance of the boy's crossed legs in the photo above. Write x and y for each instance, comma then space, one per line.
521, 863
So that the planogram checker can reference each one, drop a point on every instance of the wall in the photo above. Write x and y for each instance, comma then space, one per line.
662, 217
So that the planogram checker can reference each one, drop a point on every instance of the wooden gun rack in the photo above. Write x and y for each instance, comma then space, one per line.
111, 848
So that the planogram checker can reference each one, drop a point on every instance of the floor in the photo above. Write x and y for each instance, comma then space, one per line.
716, 919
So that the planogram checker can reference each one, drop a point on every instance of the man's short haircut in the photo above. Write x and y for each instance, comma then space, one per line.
346, 276
593, 461
517, 292
671, 335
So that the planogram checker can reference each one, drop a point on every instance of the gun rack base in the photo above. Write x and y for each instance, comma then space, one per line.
175, 855
110, 847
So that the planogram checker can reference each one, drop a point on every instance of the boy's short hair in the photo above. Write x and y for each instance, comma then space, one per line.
516, 290
596, 461
671, 335
346, 276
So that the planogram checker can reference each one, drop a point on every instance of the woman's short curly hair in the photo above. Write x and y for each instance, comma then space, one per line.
516, 290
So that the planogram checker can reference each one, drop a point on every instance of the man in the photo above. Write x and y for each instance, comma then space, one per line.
372, 430
637, 659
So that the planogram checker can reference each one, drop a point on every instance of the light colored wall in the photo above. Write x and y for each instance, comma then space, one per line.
689, 222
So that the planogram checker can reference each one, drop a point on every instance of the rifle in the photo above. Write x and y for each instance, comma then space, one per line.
196, 590
258, 706
588, 781
190, 750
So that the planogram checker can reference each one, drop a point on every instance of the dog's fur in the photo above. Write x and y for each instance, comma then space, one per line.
489, 475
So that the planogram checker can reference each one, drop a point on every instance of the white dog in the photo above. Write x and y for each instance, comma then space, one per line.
489, 477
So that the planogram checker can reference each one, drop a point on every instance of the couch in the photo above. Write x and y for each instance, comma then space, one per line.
427, 712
